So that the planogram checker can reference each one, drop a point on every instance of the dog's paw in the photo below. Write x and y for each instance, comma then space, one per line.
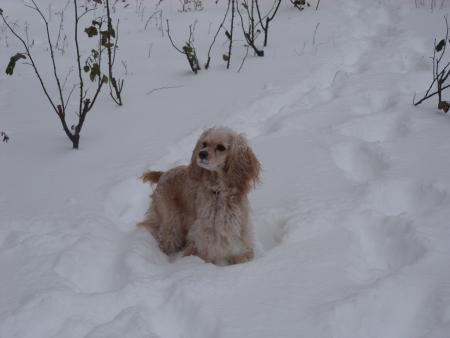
242, 258
190, 250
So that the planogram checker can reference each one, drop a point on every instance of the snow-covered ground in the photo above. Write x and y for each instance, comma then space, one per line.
351, 220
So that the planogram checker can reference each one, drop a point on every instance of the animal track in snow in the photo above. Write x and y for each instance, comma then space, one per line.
89, 269
130, 322
126, 203
269, 227
397, 196
359, 161
383, 244
258, 118
375, 128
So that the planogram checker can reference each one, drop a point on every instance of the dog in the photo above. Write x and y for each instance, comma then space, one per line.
202, 209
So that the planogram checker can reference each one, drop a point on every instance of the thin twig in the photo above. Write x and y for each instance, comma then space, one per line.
439, 76
113, 85
32, 62
315, 33
268, 18
66, 78
188, 49
215, 36
69, 96
249, 36
243, 60
151, 17
116, 46
162, 88
231, 32
170, 38
430, 95
50, 45
77, 47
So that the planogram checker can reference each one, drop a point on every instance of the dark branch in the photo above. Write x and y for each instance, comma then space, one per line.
215, 36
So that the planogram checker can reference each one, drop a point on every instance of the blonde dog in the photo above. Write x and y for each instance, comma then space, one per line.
202, 209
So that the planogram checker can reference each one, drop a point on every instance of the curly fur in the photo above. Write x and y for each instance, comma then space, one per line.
203, 208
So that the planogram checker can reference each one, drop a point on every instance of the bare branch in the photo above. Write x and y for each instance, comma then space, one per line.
231, 32
439, 75
52, 54
188, 49
77, 47
115, 89
268, 18
215, 36
170, 38
69, 96
151, 17
32, 62
430, 95
243, 60
250, 35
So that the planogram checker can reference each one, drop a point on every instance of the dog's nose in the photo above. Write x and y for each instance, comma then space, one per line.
203, 155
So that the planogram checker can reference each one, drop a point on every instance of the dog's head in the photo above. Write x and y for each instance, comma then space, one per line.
227, 153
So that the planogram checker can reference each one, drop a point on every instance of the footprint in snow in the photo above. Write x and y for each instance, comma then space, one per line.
382, 244
130, 322
126, 203
376, 127
359, 161
398, 196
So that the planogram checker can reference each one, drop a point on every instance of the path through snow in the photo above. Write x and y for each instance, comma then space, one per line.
351, 221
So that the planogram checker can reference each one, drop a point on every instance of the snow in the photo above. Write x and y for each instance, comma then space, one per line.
351, 219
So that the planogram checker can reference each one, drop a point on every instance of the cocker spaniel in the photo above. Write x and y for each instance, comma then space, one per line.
202, 209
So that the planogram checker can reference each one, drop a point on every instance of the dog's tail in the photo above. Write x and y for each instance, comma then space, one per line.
152, 176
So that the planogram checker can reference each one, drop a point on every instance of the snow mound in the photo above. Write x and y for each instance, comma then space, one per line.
350, 221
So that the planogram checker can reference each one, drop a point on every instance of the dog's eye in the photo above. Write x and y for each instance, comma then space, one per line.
220, 147
205, 144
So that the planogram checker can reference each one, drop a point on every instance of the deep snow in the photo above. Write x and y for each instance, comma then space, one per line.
351, 220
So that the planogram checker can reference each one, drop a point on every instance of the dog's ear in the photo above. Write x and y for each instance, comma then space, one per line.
242, 167
195, 172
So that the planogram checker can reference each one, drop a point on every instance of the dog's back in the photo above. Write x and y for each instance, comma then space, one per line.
171, 210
